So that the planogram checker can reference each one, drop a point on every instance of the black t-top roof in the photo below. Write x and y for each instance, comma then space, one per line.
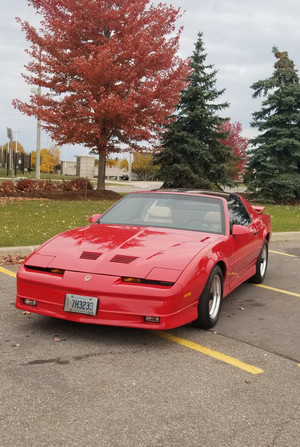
224, 194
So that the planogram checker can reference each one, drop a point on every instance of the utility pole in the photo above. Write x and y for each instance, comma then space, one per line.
11, 158
38, 92
16, 146
16, 137
129, 166
38, 144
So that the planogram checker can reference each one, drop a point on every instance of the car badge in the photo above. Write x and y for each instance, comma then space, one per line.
87, 278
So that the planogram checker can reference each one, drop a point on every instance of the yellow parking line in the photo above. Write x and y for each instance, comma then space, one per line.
284, 254
7, 272
286, 292
210, 352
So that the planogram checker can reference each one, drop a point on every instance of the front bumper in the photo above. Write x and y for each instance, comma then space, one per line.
119, 304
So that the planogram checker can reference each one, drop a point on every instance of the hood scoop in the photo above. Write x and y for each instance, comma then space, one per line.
121, 259
90, 255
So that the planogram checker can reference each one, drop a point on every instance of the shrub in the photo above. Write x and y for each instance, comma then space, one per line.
47, 185
7, 186
77, 184
26, 185
29, 185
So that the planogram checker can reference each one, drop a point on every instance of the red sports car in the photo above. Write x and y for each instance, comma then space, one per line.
155, 260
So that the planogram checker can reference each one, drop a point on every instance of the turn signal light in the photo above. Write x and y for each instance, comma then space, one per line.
57, 271
134, 280
150, 282
45, 270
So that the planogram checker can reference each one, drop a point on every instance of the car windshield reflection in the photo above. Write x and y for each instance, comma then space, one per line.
196, 213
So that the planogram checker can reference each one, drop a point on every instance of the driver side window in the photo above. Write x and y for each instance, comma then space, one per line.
238, 215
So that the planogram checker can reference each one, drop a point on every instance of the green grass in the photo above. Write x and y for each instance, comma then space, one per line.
284, 217
31, 175
54, 177
32, 222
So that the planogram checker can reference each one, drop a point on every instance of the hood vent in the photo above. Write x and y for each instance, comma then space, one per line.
123, 259
91, 255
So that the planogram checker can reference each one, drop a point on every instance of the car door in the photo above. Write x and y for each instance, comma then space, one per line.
245, 247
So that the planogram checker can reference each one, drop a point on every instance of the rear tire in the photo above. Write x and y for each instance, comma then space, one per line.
209, 306
261, 265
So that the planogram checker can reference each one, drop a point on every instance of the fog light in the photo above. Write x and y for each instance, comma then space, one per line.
30, 302
152, 319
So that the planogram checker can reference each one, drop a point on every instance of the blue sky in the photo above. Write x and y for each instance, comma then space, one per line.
238, 36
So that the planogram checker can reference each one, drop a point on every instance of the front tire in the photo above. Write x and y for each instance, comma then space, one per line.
261, 265
209, 306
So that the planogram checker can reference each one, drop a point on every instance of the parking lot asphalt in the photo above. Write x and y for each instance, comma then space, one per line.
67, 384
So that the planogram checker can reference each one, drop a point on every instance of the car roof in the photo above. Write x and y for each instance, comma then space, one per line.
222, 194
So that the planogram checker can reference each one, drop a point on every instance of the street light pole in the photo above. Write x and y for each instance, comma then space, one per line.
129, 167
16, 140
16, 149
11, 158
38, 92
38, 144
16, 134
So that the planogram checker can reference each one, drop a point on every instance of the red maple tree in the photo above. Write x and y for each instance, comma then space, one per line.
109, 72
239, 147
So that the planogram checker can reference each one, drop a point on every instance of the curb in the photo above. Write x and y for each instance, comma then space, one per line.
17, 251
288, 236
26, 251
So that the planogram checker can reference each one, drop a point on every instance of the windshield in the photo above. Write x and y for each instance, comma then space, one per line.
181, 211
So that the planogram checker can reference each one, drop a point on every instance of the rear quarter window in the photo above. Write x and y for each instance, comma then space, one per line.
238, 214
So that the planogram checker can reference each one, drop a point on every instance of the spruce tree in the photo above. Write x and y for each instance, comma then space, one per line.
274, 160
193, 155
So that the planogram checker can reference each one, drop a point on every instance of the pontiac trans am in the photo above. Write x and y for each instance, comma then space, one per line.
157, 260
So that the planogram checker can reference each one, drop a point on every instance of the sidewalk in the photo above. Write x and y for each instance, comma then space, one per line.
26, 251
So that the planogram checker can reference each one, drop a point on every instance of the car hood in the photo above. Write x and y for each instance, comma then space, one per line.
143, 252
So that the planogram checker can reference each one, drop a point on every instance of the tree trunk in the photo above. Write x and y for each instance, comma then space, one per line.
101, 170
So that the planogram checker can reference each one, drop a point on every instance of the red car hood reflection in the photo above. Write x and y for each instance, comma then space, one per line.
121, 250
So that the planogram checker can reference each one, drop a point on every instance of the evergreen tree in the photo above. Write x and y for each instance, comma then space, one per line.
193, 155
274, 160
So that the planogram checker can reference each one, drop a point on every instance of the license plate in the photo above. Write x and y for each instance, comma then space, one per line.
81, 304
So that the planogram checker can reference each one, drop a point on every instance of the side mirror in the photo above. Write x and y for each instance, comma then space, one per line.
239, 230
94, 218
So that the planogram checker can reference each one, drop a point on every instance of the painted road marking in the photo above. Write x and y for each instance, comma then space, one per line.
210, 352
199, 348
8, 272
277, 290
284, 254
203, 349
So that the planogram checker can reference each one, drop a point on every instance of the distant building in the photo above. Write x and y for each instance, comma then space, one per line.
84, 166
115, 173
68, 167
